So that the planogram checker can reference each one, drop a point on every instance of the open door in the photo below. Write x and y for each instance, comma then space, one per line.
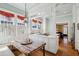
73, 37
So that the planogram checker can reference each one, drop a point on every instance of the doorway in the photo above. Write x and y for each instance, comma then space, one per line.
62, 32
73, 36
66, 48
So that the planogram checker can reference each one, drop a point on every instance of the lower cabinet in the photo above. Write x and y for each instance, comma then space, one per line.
47, 44
51, 44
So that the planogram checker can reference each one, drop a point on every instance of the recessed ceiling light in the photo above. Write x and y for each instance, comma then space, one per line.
39, 14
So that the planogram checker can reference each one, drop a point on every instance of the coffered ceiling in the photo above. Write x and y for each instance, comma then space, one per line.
62, 9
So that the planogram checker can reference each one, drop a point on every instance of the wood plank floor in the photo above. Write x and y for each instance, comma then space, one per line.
65, 49
40, 53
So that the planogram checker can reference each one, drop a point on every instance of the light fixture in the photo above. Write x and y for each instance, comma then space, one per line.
28, 41
39, 14
25, 20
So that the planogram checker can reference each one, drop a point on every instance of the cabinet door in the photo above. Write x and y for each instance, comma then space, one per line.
47, 44
53, 45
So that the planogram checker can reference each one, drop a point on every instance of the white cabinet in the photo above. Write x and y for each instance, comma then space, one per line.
47, 43
51, 44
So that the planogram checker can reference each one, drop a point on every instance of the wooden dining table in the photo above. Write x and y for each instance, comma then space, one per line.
28, 49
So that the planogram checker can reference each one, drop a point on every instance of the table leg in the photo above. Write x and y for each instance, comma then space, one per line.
44, 50
29, 54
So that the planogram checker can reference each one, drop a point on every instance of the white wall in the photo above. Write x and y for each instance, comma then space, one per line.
76, 21
65, 29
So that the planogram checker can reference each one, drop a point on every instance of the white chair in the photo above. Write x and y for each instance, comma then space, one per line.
5, 51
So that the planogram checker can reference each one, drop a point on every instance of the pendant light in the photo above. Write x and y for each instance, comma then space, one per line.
25, 21
28, 41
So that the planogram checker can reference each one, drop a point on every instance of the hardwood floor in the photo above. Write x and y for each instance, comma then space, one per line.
40, 53
64, 49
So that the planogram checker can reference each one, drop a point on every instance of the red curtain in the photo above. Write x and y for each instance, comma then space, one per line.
40, 22
7, 14
21, 17
33, 20
36, 20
